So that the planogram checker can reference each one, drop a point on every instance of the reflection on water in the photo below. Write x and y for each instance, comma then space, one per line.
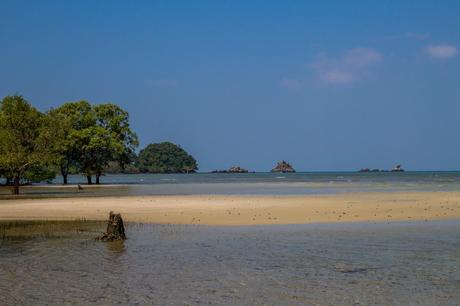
249, 183
401, 263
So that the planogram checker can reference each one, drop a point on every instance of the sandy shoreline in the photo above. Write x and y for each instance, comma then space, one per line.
243, 210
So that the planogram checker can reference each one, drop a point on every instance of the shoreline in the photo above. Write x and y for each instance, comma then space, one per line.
236, 210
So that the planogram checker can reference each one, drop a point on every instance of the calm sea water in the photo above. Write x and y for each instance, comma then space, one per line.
343, 264
251, 183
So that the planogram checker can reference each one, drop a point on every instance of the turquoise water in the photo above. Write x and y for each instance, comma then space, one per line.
250, 183
341, 264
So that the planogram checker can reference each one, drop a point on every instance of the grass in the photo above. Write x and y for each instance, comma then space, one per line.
18, 230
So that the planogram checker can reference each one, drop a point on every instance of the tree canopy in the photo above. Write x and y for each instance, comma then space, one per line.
80, 138
72, 118
75, 136
165, 157
92, 137
26, 137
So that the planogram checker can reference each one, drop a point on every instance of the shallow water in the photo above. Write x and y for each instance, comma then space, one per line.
247, 184
386, 264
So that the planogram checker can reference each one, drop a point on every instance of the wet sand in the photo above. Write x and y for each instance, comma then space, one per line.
244, 210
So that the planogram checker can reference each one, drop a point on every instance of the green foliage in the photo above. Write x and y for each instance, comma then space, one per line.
25, 138
115, 167
39, 173
79, 138
96, 148
71, 117
165, 157
116, 121
92, 137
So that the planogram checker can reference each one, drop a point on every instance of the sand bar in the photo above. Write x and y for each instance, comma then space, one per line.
243, 210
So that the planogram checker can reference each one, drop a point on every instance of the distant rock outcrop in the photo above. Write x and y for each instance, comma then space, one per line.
283, 167
397, 168
370, 170
235, 169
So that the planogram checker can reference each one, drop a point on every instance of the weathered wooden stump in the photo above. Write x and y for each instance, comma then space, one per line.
115, 229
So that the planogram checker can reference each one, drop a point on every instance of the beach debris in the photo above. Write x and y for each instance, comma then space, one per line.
115, 229
283, 167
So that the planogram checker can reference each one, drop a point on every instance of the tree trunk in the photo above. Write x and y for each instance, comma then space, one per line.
98, 175
8, 181
89, 179
16, 181
115, 229
64, 172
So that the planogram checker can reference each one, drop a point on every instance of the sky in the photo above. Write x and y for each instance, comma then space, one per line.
325, 85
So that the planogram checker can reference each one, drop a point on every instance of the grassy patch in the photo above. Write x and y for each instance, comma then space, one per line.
12, 230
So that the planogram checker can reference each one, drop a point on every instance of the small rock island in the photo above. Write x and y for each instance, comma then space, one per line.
370, 170
235, 169
397, 168
283, 167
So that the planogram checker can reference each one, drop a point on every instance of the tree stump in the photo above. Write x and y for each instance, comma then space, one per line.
115, 229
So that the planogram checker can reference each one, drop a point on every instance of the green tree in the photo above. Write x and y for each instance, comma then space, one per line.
165, 157
39, 173
123, 141
96, 148
6, 175
71, 118
25, 139
91, 137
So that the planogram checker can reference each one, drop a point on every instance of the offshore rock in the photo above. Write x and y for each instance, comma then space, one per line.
397, 168
236, 169
283, 167
370, 170
115, 229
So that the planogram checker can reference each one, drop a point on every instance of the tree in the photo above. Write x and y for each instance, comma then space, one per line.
6, 175
166, 157
25, 138
123, 141
39, 173
96, 148
92, 137
71, 117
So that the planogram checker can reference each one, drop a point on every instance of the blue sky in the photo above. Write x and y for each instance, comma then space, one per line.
326, 85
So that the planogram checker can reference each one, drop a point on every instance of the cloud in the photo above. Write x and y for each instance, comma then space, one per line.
347, 68
290, 83
361, 57
441, 51
337, 77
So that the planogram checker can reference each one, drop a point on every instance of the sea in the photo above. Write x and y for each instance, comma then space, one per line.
246, 184
415, 263
397, 263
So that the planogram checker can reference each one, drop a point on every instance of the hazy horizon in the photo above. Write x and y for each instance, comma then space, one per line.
330, 86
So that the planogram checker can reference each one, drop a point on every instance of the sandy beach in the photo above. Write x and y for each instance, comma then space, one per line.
243, 210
